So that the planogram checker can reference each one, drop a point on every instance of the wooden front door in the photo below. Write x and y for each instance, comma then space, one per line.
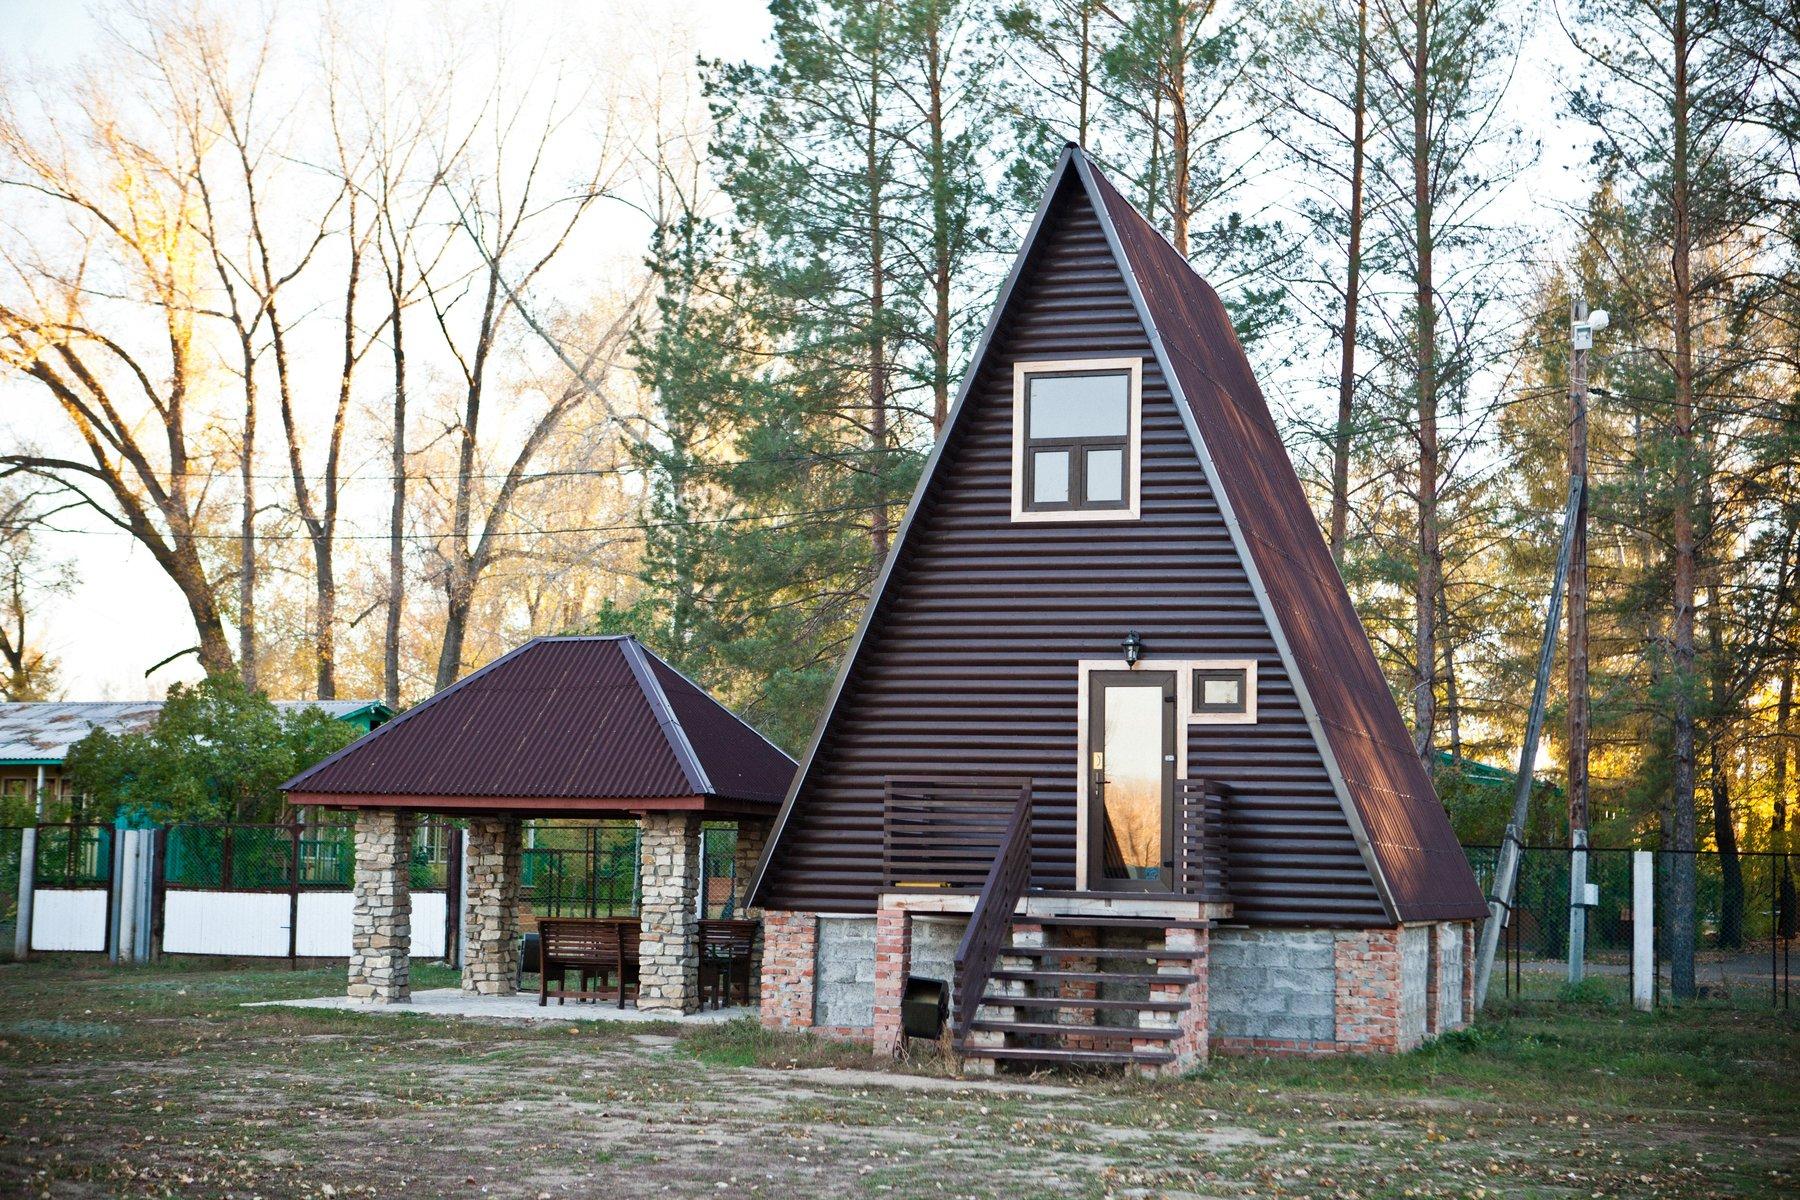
1130, 760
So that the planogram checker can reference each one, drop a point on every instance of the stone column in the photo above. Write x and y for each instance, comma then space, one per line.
491, 906
752, 836
381, 921
668, 949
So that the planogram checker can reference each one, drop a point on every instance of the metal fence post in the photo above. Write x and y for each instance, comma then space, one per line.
1643, 930
293, 895
28, 839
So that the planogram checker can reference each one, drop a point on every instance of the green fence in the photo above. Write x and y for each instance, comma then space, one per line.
265, 857
73, 856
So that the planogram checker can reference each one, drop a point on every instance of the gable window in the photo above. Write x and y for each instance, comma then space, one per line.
1075, 439
1223, 693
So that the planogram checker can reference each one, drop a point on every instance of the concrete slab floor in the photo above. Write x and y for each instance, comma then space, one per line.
452, 1002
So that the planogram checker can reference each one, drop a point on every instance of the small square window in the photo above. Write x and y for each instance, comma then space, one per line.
1075, 439
1221, 690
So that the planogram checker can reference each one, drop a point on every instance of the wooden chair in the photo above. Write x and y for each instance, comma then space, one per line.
595, 948
726, 952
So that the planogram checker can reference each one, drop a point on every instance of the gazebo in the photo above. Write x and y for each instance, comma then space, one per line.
570, 727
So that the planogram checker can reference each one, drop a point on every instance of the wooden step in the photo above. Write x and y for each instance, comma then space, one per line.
1180, 977
1098, 952
1056, 1054
1052, 1029
1112, 921
1078, 1002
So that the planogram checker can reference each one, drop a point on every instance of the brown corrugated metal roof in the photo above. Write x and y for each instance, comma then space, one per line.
556, 719
1423, 866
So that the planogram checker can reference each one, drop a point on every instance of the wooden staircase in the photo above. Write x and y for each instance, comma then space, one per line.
1085, 989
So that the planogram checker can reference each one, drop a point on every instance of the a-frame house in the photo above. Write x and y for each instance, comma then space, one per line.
1111, 753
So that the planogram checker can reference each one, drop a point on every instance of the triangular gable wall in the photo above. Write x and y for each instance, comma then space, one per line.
966, 664
1389, 799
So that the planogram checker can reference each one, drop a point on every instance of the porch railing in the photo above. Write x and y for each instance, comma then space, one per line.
944, 832
1200, 859
989, 923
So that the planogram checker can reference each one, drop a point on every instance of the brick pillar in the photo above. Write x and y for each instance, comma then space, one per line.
668, 950
1368, 990
893, 962
1190, 1045
790, 954
381, 920
492, 851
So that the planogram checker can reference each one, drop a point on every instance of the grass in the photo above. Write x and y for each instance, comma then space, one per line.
154, 1082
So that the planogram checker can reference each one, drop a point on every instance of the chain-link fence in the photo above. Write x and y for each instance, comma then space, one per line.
12, 840
272, 857
1744, 924
74, 856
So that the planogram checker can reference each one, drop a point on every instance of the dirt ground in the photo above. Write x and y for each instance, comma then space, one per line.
155, 1082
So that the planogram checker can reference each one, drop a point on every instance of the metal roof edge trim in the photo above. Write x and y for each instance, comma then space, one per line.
1004, 297
671, 726
714, 700
1084, 171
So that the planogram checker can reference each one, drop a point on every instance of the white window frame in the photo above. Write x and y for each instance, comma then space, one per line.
1247, 717
1184, 669
1134, 367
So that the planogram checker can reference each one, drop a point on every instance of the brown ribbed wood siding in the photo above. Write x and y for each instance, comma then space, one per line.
969, 667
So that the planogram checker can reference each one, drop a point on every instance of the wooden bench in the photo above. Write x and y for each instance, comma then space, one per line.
726, 952
593, 946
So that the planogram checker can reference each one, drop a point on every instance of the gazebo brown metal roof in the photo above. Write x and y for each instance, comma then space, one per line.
566, 726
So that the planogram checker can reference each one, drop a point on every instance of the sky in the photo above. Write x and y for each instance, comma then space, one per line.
125, 616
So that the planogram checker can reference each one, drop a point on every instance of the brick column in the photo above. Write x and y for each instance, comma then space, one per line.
381, 918
1368, 989
668, 949
893, 962
491, 908
1190, 1046
790, 954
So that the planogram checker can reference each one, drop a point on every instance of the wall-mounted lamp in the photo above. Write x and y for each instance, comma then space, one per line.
1134, 648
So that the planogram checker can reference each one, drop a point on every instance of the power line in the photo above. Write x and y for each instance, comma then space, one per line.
622, 526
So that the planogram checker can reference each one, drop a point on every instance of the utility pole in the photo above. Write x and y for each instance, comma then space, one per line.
1582, 325
1506, 871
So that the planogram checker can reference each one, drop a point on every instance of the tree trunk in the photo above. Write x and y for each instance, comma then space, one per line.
247, 526
1789, 919
1340, 441
1682, 866
1180, 149
877, 366
1425, 332
396, 580
942, 264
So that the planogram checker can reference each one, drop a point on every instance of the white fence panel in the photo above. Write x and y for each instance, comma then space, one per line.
325, 925
70, 919
242, 923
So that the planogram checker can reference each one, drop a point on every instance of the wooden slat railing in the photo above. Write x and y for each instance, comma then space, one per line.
991, 921
1200, 860
943, 832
